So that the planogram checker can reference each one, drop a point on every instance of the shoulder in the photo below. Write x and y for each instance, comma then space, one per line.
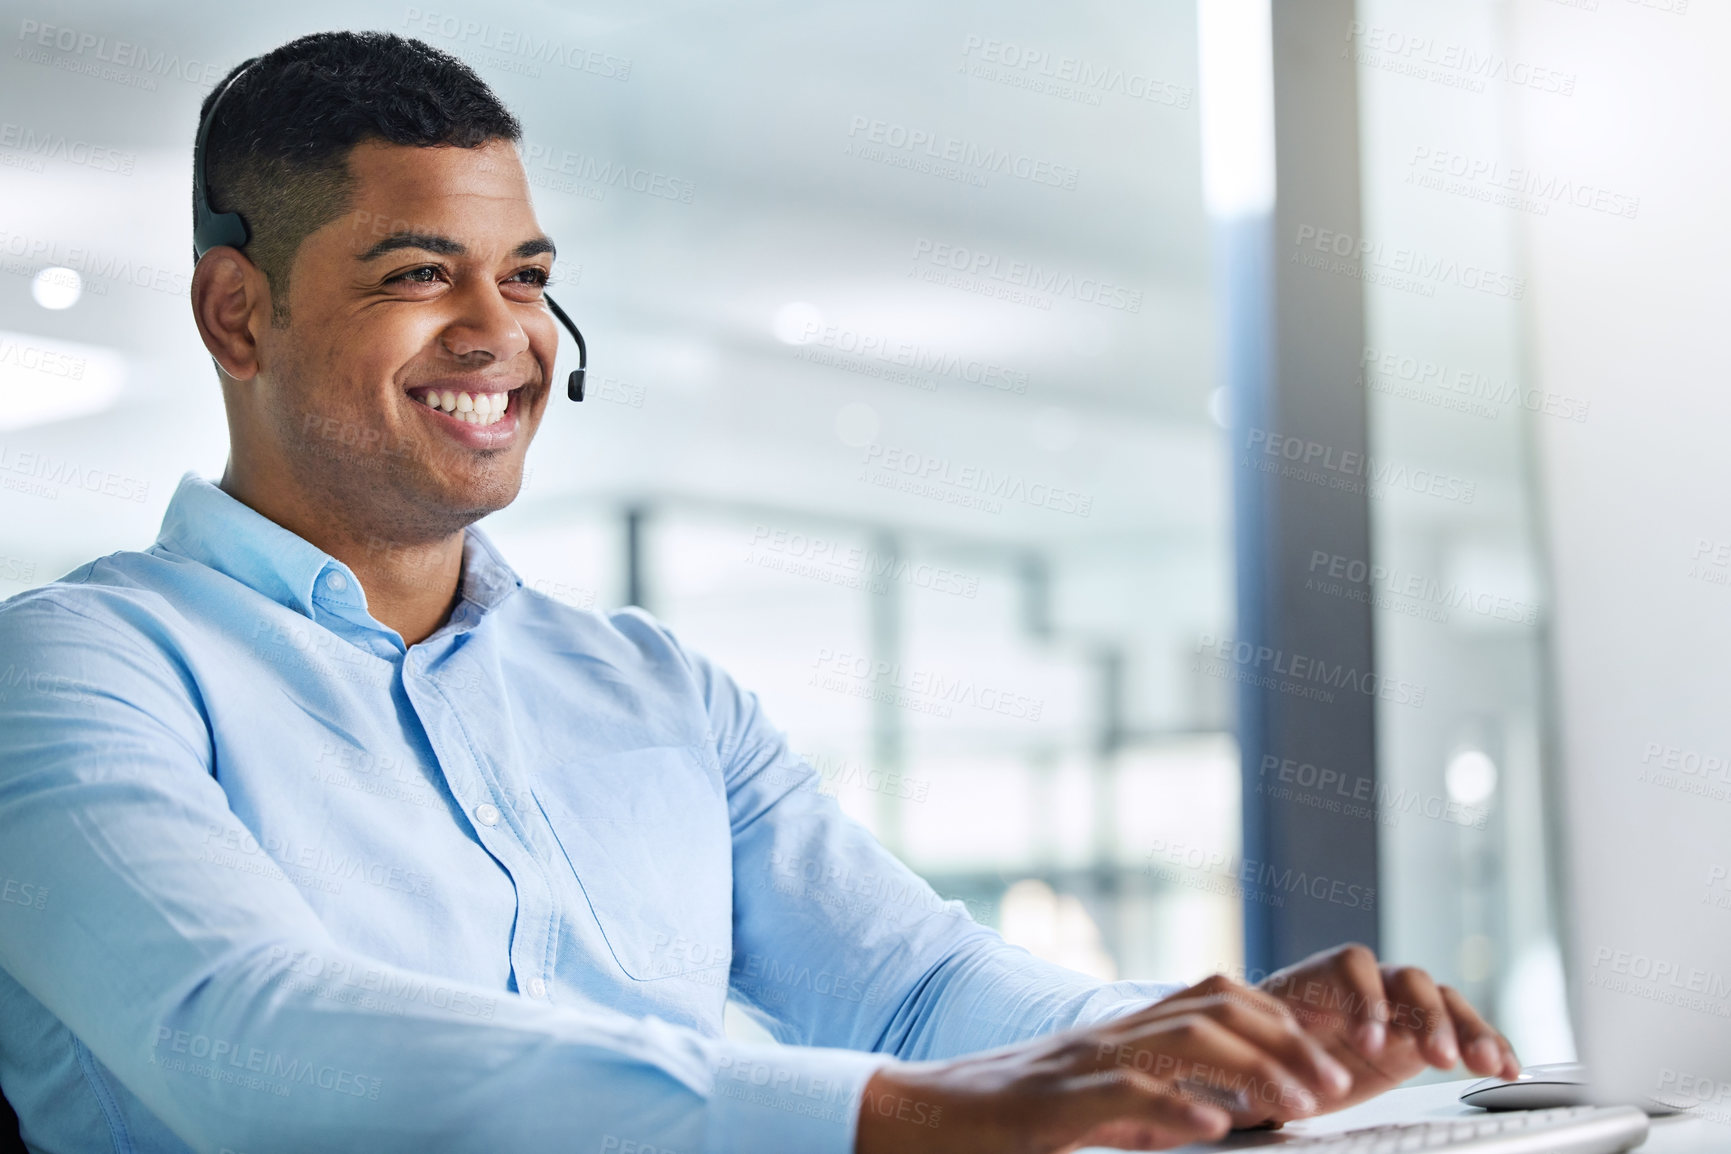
122, 595
615, 635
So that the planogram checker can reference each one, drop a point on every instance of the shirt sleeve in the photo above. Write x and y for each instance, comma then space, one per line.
838, 944
183, 977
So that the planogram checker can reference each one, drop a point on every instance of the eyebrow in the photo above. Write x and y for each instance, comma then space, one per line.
445, 246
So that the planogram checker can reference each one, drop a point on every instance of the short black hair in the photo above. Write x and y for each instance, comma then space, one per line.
278, 150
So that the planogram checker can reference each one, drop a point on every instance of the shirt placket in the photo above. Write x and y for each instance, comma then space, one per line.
486, 802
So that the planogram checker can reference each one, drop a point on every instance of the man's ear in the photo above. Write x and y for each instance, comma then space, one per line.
230, 299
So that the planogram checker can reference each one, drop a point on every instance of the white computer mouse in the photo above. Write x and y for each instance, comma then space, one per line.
1538, 1088
1543, 1087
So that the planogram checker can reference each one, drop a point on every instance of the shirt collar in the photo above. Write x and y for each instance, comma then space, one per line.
206, 525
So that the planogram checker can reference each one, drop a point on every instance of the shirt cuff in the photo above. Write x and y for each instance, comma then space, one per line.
788, 1099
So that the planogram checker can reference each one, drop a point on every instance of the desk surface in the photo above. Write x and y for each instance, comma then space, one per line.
1679, 1134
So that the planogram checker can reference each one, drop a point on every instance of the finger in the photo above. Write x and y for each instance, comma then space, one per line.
1266, 1023
1206, 993
1339, 992
1127, 1109
1199, 1054
1418, 1011
1184, 1001
1484, 1050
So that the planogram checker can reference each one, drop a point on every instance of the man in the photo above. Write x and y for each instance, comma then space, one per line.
338, 838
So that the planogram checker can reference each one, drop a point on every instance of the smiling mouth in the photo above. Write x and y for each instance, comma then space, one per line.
470, 408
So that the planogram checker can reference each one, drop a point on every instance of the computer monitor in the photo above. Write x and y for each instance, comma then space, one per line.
1643, 847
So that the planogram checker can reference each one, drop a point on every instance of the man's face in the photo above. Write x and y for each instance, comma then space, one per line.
427, 292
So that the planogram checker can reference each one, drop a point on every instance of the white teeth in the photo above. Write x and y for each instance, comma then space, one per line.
470, 408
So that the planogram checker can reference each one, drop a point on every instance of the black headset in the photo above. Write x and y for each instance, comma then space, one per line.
210, 229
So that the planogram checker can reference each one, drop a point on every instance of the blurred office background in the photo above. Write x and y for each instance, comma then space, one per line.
908, 328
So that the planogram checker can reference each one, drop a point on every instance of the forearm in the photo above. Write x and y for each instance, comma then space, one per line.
987, 993
367, 1056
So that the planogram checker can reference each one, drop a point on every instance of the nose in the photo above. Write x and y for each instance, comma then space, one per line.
485, 329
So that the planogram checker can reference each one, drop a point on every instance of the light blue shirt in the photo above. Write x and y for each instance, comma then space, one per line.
271, 880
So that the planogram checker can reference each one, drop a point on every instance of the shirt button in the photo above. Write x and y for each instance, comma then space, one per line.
537, 988
487, 814
336, 582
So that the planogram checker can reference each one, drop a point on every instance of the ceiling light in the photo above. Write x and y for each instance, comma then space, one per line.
57, 288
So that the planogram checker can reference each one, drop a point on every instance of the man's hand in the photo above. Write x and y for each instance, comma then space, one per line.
1185, 1069
1386, 1023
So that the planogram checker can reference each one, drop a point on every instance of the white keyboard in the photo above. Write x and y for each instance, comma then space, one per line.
1565, 1130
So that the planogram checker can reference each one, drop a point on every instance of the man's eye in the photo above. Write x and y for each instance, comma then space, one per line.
537, 276
426, 274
